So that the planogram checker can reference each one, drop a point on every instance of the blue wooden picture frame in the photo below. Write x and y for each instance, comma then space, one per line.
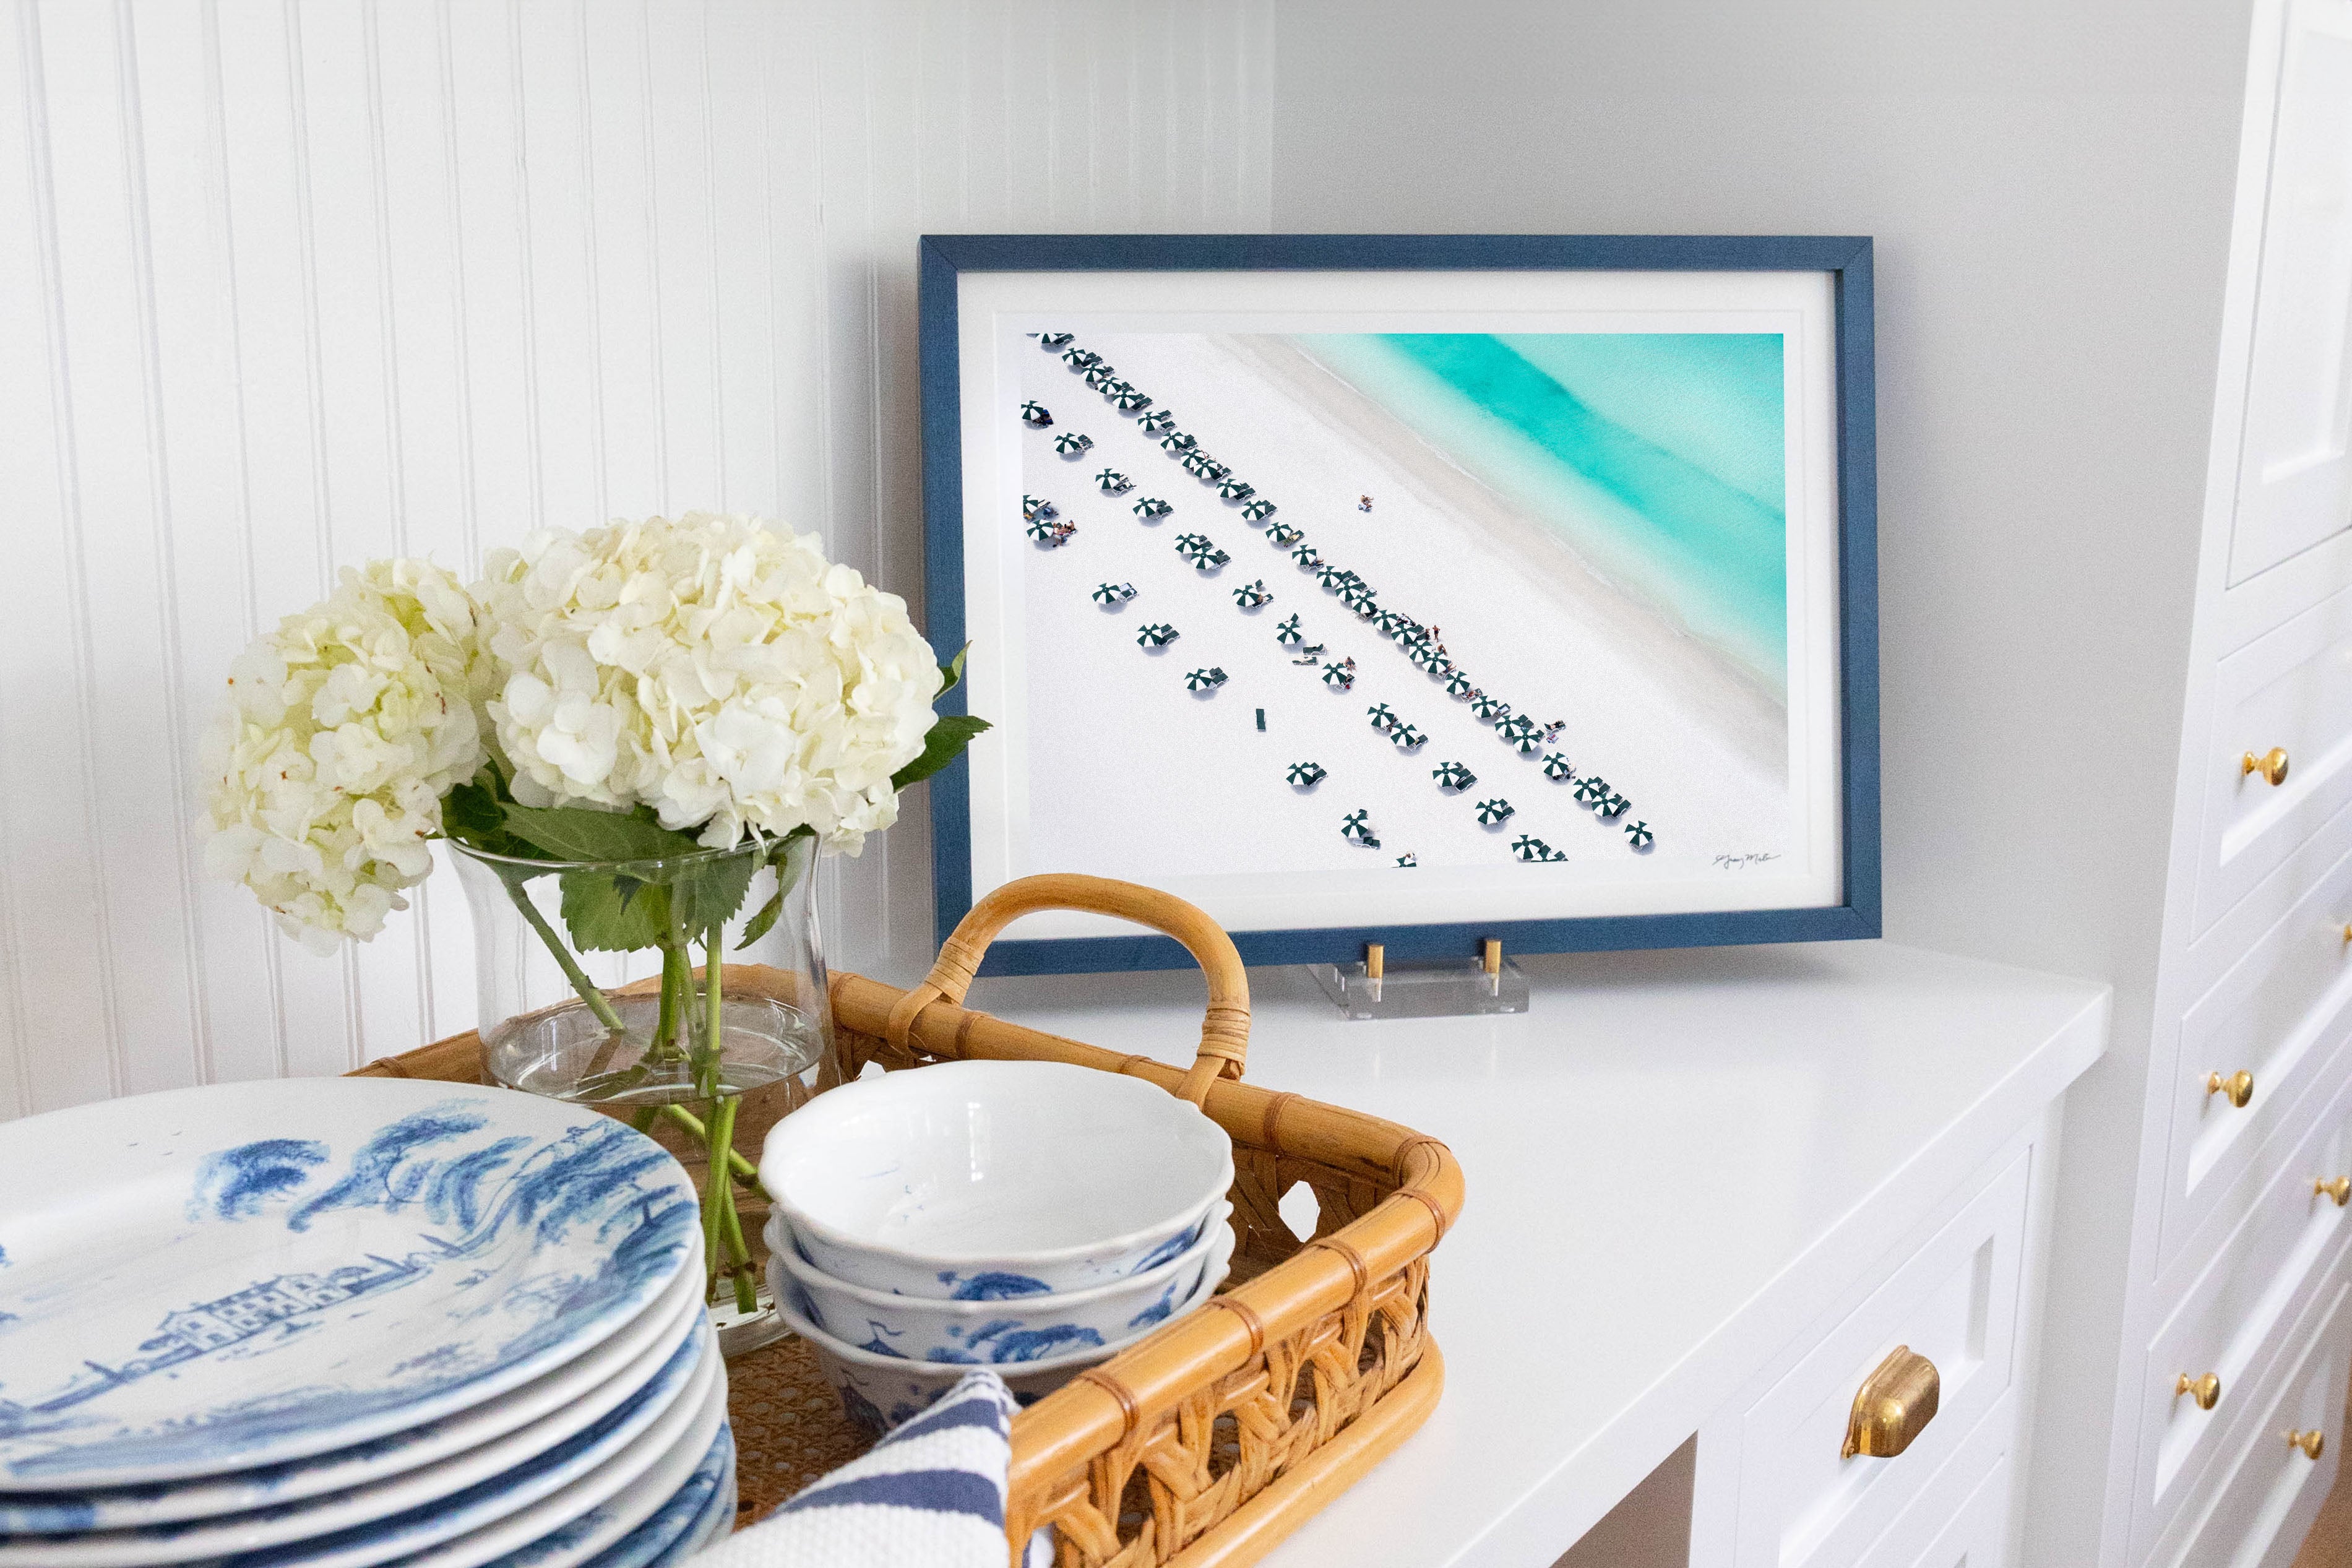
1847, 260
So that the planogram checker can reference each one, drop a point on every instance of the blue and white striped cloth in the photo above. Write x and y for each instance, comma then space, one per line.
929, 1494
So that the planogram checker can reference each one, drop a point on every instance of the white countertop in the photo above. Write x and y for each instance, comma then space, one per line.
1673, 1159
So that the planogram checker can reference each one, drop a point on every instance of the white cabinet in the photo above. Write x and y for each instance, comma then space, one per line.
1806, 1503
2271, 1491
2294, 469
2235, 1330
1775, 1485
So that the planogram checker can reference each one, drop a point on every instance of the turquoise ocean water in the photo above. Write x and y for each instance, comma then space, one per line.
1659, 458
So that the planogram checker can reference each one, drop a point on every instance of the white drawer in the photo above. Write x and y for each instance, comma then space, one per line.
2233, 1318
2292, 690
2279, 1014
2272, 1491
1975, 1533
1954, 1302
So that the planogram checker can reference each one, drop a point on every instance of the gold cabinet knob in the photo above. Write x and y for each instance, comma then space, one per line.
2206, 1389
2312, 1443
2336, 1187
1893, 1406
2239, 1086
2271, 765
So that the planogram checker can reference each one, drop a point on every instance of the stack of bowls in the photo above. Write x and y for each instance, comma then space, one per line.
340, 1322
1030, 1216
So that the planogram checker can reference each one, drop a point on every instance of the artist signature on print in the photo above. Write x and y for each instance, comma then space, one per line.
1741, 862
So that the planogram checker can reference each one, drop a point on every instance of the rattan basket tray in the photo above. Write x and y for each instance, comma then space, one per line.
1213, 1438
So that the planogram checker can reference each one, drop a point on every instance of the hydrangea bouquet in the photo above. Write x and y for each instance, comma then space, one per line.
637, 721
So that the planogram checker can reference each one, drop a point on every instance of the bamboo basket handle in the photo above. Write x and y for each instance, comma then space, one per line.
1224, 1032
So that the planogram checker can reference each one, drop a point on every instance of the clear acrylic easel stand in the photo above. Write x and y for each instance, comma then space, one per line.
1451, 990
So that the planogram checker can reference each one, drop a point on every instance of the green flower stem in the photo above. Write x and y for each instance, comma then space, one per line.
718, 1197
741, 1168
596, 1001
677, 986
746, 1278
714, 1028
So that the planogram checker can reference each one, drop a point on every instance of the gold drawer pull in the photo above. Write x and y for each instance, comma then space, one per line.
2312, 1443
2206, 1389
1893, 1406
2238, 1085
2271, 765
2336, 1187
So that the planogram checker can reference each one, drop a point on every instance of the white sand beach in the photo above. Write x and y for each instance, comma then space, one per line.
1701, 754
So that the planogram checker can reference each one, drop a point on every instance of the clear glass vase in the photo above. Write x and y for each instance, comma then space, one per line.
593, 980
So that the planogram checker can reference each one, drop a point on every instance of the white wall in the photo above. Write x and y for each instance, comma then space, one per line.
2050, 186
286, 285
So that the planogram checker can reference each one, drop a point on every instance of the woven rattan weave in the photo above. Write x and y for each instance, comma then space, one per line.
1208, 1441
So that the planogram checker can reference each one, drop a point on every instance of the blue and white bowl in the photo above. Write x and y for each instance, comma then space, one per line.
973, 1178
1008, 1324
879, 1392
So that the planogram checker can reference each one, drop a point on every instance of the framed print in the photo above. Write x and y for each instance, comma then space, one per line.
1412, 589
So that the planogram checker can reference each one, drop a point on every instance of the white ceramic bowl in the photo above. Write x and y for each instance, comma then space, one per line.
970, 1181
1009, 1330
878, 1392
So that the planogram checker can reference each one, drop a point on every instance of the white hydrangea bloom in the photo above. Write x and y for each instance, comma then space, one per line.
720, 670
342, 731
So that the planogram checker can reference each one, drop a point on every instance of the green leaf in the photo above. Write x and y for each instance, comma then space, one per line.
471, 815
942, 744
609, 913
791, 862
579, 833
708, 893
952, 671
760, 924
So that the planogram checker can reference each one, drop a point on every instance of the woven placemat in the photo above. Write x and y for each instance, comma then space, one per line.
789, 1427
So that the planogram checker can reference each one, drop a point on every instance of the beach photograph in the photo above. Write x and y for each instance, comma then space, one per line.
1424, 602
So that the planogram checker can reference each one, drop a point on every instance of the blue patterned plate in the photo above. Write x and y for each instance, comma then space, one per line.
568, 1528
717, 1521
480, 1441
216, 1279
401, 1514
694, 1515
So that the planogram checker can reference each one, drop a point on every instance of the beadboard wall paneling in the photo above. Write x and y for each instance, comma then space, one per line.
288, 284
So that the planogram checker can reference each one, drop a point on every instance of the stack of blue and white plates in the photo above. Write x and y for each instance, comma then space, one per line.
346, 1322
